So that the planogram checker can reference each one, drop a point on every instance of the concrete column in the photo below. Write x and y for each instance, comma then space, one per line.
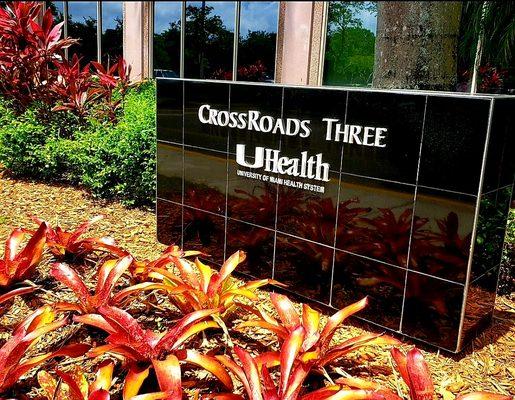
300, 42
136, 37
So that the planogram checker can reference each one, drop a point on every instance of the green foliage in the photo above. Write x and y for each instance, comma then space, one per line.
22, 139
350, 57
119, 161
111, 160
507, 278
510, 229
350, 47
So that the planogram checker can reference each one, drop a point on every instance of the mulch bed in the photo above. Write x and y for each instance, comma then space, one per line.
486, 364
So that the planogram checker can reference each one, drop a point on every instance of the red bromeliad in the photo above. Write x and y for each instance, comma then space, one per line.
162, 351
415, 373
16, 292
25, 336
74, 385
107, 277
68, 243
316, 341
18, 265
259, 384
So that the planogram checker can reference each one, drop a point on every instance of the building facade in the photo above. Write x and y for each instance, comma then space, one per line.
414, 45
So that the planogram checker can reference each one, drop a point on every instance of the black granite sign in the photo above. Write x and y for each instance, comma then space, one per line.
342, 193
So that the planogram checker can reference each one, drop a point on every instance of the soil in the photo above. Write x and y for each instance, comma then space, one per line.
487, 364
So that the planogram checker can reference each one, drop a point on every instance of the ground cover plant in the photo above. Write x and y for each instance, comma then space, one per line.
131, 339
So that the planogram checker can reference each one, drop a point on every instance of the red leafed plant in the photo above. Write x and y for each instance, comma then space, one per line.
28, 50
144, 349
109, 81
18, 265
316, 341
389, 236
68, 244
259, 384
72, 87
24, 337
107, 276
74, 385
415, 373
16, 292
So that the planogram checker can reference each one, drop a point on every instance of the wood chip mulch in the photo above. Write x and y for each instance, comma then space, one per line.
486, 364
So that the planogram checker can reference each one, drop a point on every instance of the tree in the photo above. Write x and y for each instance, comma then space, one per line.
416, 46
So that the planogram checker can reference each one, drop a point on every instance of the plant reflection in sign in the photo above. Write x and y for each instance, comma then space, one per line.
199, 224
444, 252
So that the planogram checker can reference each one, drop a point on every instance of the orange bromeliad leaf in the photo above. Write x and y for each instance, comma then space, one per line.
17, 265
74, 385
139, 270
25, 336
415, 372
144, 348
108, 275
197, 286
16, 292
68, 243
259, 384
483, 396
316, 345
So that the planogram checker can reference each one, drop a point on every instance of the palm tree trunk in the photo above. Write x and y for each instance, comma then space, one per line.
416, 45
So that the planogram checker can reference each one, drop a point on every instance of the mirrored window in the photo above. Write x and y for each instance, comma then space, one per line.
257, 41
82, 24
112, 31
209, 39
350, 43
167, 38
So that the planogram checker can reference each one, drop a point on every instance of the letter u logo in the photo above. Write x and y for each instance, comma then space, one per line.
259, 157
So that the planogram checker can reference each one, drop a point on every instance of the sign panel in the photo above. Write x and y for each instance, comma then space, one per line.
338, 193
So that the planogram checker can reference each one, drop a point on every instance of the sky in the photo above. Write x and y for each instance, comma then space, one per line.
369, 20
84, 9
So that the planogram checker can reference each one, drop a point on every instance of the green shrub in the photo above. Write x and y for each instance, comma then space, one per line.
111, 160
119, 162
22, 139
507, 277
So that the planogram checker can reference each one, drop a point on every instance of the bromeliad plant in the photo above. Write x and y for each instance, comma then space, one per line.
24, 337
146, 349
198, 287
139, 270
107, 277
415, 373
315, 345
68, 244
18, 265
74, 385
16, 292
259, 384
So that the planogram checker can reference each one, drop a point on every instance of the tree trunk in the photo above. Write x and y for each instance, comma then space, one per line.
416, 45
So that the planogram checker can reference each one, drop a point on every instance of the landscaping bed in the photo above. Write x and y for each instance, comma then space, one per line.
486, 364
